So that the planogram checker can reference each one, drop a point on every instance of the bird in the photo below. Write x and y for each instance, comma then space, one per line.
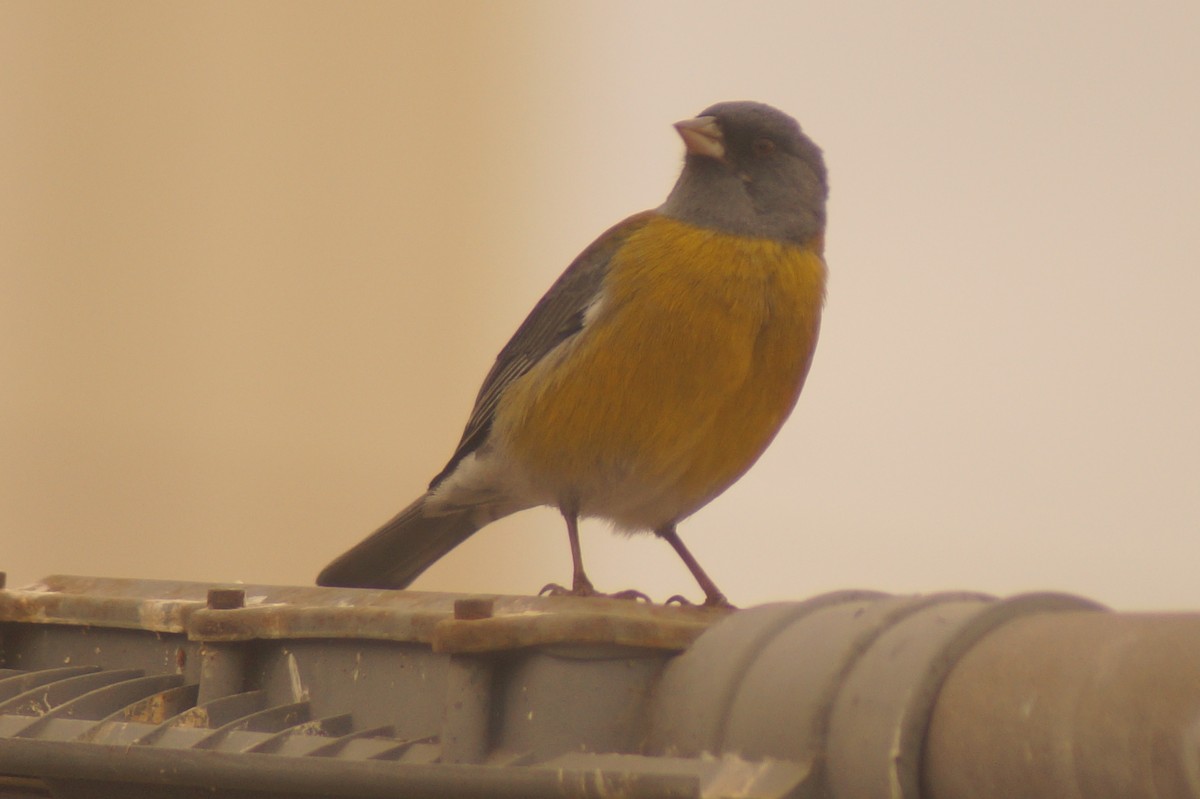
655, 370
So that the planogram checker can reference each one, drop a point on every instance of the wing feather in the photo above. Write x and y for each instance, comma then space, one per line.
558, 316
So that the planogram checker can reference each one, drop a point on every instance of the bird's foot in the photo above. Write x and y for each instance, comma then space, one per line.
554, 589
717, 601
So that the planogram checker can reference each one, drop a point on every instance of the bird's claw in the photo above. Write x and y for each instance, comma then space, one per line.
717, 601
554, 589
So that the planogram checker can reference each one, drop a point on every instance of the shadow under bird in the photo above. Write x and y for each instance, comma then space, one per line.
656, 369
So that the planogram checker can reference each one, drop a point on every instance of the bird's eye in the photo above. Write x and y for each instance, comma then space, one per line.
763, 146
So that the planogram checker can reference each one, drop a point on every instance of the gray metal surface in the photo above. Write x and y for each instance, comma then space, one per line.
118, 688
844, 682
128, 688
1101, 706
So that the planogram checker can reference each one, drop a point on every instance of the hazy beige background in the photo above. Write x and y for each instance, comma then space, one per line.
255, 259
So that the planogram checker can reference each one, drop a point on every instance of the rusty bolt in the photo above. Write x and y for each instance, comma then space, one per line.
474, 608
226, 598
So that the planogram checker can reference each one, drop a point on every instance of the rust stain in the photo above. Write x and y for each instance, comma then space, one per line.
196, 718
283, 612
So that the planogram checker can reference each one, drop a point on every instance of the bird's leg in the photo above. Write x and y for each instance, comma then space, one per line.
580, 584
713, 598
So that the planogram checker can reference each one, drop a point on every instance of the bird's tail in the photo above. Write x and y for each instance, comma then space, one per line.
395, 554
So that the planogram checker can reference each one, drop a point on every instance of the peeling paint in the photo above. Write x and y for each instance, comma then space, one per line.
196, 718
299, 692
736, 778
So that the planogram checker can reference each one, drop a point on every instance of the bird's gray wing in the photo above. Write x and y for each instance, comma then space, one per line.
557, 317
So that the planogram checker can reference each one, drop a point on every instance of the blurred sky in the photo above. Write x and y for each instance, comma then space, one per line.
255, 259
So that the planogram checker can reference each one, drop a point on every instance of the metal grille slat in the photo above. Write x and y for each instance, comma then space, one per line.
16, 681
43, 699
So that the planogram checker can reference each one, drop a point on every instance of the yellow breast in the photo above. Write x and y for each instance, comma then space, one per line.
685, 371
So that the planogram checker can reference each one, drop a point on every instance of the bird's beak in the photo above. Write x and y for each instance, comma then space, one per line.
702, 136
